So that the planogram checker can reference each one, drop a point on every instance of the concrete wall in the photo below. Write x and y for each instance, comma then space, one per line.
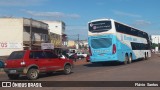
11, 35
56, 27
71, 43
15, 34
39, 30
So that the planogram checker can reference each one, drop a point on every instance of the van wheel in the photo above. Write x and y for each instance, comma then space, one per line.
32, 74
13, 76
126, 60
67, 69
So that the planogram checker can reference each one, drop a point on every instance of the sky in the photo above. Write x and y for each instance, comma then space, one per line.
141, 14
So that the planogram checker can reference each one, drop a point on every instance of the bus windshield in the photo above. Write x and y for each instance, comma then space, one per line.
99, 26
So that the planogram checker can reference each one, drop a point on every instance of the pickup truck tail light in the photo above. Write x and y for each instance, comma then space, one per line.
23, 63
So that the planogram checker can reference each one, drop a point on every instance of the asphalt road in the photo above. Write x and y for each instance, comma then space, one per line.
143, 70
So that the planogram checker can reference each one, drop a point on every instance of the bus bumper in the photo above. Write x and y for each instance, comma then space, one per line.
103, 59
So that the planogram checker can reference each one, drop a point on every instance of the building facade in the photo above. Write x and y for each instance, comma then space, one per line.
71, 44
21, 33
155, 39
57, 33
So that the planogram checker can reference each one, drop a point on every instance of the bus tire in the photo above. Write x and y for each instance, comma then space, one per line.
130, 59
126, 59
146, 57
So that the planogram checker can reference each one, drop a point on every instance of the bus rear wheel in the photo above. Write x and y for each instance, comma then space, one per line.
126, 60
146, 56
130, 59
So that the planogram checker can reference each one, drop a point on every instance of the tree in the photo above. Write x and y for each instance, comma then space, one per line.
154, 45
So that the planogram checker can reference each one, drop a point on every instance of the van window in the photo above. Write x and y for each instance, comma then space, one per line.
16, 55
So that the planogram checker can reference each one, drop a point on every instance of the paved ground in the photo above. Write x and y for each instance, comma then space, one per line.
146, 70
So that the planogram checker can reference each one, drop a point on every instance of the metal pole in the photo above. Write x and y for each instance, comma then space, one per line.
158, 43
30, 44
78, 41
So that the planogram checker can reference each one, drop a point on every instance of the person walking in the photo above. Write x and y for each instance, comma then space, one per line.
75, 57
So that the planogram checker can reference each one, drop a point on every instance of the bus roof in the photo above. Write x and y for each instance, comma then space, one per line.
114, 21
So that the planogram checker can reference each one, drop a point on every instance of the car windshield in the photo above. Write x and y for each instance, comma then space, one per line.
16, 55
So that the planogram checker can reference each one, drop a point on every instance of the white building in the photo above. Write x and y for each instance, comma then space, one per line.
155, 39
15, 34
57, 28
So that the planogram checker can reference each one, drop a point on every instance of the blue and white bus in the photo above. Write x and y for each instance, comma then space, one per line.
110, 40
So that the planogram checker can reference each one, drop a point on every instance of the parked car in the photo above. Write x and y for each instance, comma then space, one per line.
88, 58
81, 54
1, 64
75, 56
33, 62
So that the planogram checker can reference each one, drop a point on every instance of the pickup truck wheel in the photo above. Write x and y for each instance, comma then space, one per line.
13, 76
67, 69
32, 74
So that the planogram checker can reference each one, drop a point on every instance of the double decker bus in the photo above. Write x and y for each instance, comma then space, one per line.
110, 40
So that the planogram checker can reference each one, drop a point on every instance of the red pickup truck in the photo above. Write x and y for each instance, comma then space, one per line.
33, 62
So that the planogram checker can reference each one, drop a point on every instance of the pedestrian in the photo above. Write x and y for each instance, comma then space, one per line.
75, 57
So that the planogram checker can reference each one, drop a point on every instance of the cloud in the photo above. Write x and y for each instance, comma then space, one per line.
52, 14
20, 2
141, 23
126, 14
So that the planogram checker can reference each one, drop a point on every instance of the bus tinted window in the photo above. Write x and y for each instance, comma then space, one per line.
101, 43
139, 46
131, 31
99, 26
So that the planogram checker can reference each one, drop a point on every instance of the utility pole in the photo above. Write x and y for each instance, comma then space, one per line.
30, 41
158, 43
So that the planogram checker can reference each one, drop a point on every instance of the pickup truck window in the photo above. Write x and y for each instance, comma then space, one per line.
50, 55
37, 55
16, 55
